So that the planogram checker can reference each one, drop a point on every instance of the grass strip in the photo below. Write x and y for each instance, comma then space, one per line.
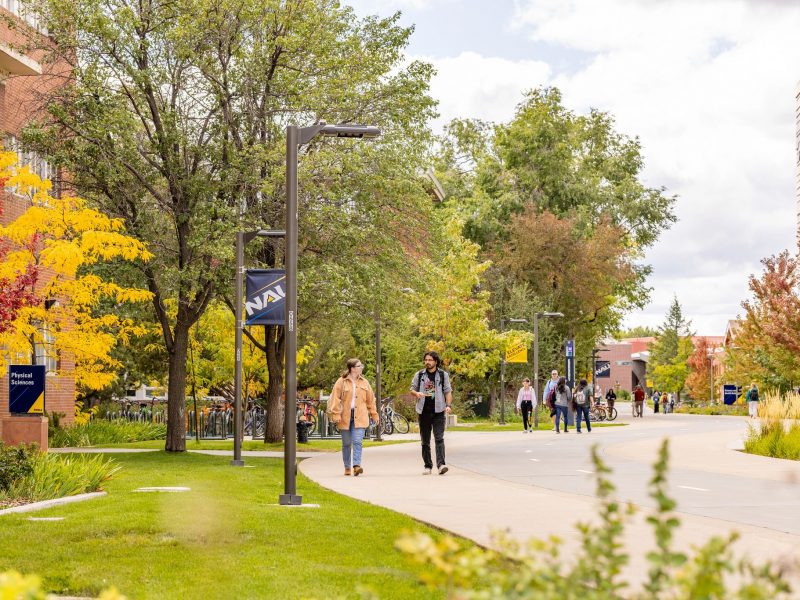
331, 445
226, 538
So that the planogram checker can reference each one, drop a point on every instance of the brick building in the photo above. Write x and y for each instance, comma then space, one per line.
23, 77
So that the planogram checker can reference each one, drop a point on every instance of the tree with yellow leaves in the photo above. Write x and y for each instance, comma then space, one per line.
62, 238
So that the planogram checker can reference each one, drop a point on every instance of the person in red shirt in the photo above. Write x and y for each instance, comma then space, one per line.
638, 401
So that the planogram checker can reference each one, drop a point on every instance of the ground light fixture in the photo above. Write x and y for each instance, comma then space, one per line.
296, 137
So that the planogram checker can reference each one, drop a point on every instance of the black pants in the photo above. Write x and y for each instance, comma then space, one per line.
432, 420
527, 409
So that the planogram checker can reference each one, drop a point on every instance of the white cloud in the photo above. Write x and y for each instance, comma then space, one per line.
474, 86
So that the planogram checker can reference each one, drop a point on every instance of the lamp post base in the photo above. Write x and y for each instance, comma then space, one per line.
237, 463
290, 500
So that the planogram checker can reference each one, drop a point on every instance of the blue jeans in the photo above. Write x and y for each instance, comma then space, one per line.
351, 441
561, 410
583, 409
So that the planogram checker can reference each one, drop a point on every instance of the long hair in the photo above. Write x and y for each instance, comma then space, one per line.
350, 364
434, 356
561, 385
582, 384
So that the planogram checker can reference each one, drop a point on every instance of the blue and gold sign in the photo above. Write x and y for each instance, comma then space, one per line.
26, 389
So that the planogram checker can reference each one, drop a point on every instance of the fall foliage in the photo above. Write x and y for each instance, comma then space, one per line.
63, 238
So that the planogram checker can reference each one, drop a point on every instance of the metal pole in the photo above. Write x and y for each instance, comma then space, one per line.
290, 497
502, 380
378, 391
237, 369
711, 375
536, 369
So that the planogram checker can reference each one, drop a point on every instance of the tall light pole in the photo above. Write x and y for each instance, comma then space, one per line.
503, 371
536, 316
242, 238
296, 137
378, 366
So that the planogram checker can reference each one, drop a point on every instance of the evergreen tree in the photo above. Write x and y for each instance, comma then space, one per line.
669, 352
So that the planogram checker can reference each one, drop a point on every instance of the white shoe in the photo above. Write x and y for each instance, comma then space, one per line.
427, 471
443, 469
524, 431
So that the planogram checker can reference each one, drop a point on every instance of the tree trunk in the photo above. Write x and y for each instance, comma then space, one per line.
274, 340
176, 391
492, 401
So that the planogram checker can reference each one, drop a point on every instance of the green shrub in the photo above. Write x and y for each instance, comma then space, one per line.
624, 396
774, 440
60, 475
16, 462
99, 432
29, 587
538, 571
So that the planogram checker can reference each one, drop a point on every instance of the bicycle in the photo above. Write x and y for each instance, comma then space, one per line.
307, 411
610, 413
392, 421
598, 413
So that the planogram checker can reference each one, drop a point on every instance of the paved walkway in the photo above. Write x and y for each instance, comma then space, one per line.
474, 499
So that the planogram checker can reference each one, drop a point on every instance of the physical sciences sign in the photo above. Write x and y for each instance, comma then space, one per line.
26, 389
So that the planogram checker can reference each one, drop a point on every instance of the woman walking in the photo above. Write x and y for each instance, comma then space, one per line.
525, 400
350, 407
582, 404
563, 396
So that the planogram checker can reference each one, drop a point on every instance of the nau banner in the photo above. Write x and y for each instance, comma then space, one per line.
602, 368
265, 297
26, 389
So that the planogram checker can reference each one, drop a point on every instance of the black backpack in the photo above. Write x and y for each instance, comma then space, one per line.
754, 395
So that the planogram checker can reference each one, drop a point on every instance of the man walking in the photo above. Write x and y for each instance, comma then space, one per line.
638, 401
549, 388
431, 387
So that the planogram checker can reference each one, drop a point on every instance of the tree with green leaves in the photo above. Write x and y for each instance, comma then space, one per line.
569, 185
673, 346
172, 118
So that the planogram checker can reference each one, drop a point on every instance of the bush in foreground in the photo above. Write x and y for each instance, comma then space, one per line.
31, 476
538, 570
99, 432
735, 410
29, 587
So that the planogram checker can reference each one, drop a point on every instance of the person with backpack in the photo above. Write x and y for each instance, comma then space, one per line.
525, 399
431, 387
548, 398
582, 404
350, 407
752, 401
656, 400
563, 396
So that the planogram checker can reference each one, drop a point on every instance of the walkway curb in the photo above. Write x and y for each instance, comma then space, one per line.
34, 506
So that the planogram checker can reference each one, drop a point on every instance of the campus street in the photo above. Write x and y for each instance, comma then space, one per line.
540, 484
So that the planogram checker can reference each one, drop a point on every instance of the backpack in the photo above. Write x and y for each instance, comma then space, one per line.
754, 395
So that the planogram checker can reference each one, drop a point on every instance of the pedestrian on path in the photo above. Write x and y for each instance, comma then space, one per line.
582, 404
525, 399
350, 407
611, 397
563, 397
638, 401
752, 401
431, 387
550, 387
665, 404
656, 400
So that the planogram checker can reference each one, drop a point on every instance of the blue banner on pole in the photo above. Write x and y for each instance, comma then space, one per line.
265, 297
602, 368
26, 389
570, 348
730, 393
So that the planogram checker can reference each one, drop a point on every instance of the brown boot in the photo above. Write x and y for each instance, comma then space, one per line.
357, 470
347, 471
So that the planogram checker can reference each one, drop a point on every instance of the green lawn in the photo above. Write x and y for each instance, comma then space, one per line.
332, 445
225, 538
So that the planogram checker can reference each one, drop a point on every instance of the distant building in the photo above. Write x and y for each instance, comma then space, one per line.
22, 78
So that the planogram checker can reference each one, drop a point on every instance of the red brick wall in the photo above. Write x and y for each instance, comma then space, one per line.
20, 99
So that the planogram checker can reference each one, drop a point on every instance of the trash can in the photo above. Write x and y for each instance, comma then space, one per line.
302, 431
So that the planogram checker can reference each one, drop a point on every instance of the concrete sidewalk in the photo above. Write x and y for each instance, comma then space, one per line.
474, 505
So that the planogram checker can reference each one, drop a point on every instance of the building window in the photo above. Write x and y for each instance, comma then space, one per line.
45, 352
34, 160
17, 7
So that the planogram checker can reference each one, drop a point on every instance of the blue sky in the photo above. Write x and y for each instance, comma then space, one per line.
707, 85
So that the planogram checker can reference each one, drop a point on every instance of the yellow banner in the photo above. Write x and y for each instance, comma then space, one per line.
518, 353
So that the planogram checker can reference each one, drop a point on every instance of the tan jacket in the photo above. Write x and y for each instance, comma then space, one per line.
339, 403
